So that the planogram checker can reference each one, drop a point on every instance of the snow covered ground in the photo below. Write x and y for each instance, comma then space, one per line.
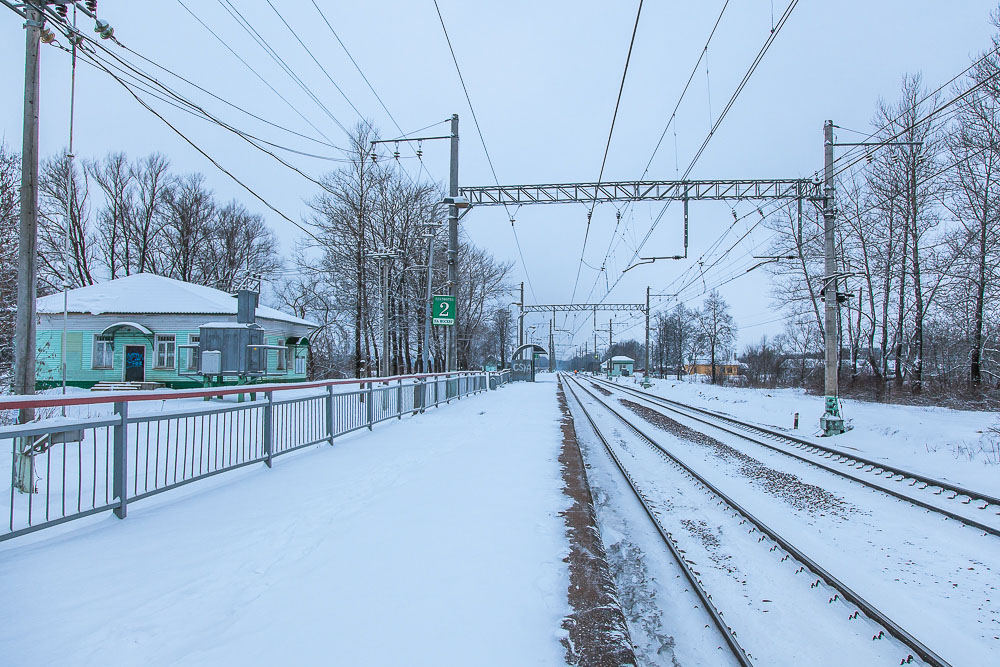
933, 576
434, 540
951, 445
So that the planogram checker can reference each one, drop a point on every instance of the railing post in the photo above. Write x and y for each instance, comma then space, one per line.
329, 411
399, 399
371, 404
268, 427
120, 486
422, 392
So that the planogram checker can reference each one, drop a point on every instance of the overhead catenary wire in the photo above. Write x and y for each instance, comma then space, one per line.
772, 36
482, 140
607, 147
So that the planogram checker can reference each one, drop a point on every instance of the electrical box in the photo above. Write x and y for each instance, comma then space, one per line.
211, 362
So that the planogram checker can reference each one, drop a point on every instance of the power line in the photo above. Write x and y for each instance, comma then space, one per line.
205, 154
607, 147
772, 35
482, 140
253, 71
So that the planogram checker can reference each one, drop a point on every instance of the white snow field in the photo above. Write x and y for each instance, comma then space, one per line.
435, 540
951, 445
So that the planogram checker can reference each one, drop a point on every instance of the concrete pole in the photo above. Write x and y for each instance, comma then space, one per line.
596, 369
832, 423
384, 262
552, 344
27, 256
427, 315
645, 375
520, 319
452, 356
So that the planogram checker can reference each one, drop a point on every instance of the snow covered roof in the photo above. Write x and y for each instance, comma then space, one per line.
622, 358
148, 294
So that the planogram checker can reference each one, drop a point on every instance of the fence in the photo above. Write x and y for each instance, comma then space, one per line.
68, 468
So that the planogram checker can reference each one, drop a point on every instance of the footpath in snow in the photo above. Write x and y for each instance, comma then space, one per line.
433, 540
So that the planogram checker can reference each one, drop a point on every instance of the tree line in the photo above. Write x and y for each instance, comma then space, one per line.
918, 234
128, 216
370, 217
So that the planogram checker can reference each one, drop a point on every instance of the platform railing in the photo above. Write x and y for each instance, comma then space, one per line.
119, 448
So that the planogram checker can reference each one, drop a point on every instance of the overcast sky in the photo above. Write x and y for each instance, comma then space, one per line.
543, 77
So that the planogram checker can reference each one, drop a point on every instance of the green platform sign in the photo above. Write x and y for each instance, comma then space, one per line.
443, 310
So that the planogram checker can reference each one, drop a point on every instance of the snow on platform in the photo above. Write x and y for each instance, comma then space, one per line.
433, 540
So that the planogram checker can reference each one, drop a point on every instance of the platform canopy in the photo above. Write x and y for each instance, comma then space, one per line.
535, 349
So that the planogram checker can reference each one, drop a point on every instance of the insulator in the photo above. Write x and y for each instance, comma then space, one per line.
420, 149
395, 153
47, 36
373, 156
92, 6
618, 215
62, 10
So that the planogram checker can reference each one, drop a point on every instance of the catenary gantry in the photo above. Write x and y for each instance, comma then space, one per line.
595, 192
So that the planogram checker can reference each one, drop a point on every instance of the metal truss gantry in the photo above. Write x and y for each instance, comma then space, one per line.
587, 193
583, 307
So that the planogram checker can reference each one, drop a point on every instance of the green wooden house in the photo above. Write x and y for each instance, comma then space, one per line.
141, 328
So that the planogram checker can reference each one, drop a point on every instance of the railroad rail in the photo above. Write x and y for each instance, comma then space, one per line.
724, 629
844, 459
891, 627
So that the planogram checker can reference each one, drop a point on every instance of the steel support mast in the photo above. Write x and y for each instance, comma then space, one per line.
832, 422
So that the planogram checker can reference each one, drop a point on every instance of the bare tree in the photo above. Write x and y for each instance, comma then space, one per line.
188, 228
716, 328
63, 261
115, 178
152, 181
10, 175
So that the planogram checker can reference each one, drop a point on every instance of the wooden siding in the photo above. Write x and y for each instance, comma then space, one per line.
82, 328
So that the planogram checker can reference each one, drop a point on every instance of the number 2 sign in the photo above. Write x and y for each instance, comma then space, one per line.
443, 310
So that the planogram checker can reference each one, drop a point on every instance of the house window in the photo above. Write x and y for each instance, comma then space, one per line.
166, 346
289, 355
280, 356
300, 365
194, 354
104, 352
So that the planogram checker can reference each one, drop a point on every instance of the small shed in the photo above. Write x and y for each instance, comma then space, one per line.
622, 366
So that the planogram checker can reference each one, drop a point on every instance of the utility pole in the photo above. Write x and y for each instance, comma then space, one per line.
452, 335
384, 258
596, 360
427, 306
832, 422
27, 255
520, 319
552, 344
645, 373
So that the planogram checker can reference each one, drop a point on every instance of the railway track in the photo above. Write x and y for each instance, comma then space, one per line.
888, 627
873, 474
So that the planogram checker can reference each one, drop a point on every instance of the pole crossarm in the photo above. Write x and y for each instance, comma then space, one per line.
585, 193
585, 307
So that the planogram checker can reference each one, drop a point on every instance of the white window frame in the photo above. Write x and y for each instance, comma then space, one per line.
169, 351
101, 340
280, 362
193, 353
300, 365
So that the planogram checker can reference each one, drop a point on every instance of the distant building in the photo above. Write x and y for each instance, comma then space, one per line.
621, 366
704, 367
136, 329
